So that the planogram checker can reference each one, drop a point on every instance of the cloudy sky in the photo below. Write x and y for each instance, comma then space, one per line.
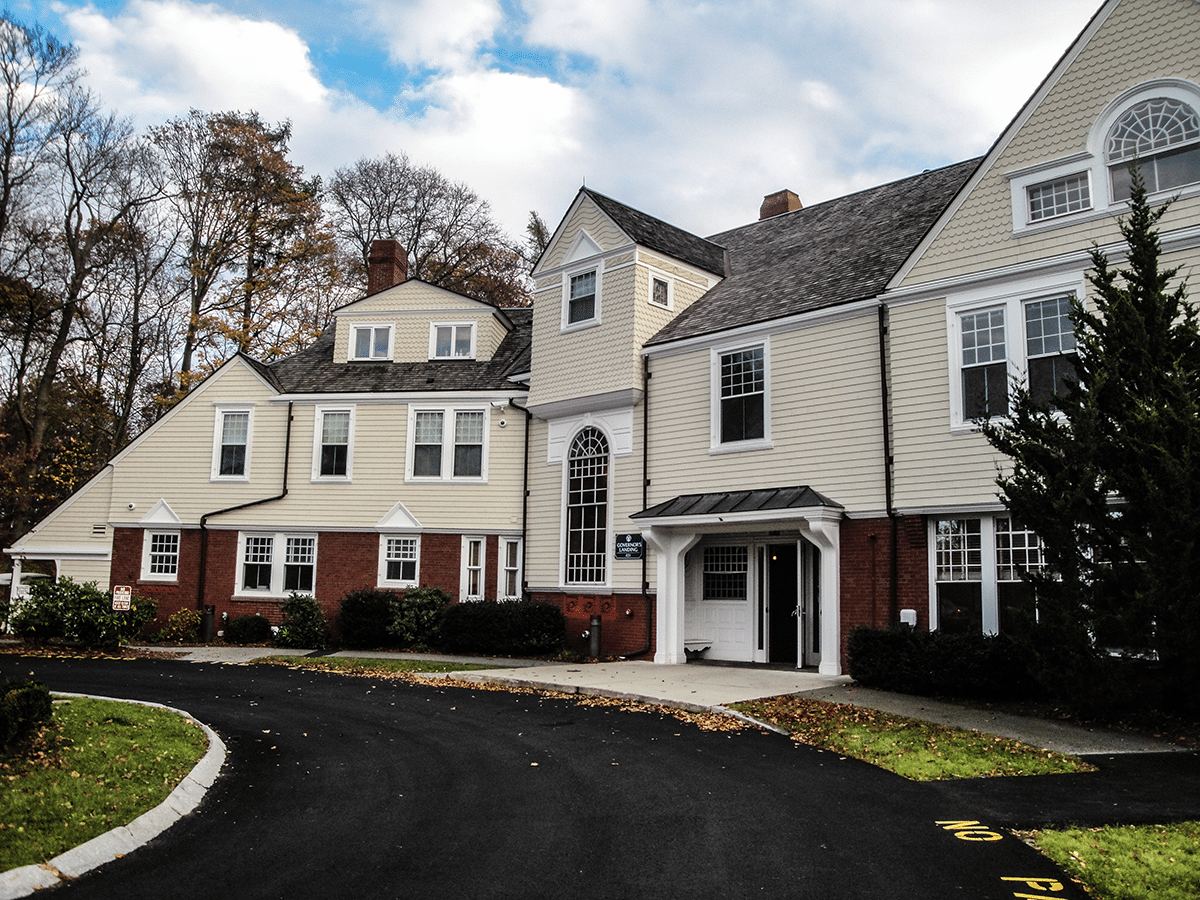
690, 110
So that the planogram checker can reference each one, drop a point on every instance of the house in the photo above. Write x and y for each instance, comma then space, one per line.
388, 454
737, 446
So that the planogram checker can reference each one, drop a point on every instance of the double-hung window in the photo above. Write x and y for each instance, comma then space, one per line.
1049, 346
452, 341
371, 342
741, 411
276, 564
160, 555
472, 568
332, 444
509, 574
1029, 342
976, 573
448, 444
984, 364
400, 557
581, 305
231, 443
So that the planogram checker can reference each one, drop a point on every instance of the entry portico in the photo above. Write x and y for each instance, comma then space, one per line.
748, 575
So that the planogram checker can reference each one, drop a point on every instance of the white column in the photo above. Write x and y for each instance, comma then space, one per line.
826, 534
671, 549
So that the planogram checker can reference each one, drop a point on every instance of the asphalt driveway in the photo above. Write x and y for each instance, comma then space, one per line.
345, 787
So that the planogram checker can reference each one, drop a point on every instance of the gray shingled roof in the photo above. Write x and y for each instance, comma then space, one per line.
824, 255
314, 371
655, 234
763, 500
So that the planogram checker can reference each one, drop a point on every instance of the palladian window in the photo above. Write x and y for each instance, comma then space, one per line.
587, 508
1163, 136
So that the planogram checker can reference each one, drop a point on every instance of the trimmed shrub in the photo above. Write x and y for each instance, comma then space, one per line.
79, 612
520, 628
364, 618
24, 707
976, 666
183, 627
416, 616
304, 624
252, 629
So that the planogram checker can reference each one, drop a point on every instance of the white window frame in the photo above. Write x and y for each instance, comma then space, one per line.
716, 446
433, 330
1085, 203
318, 430
657, 275
278, 564
1094, 161
989, 574
352, 355
449, 419
464, 595
1016, 338
223, 409
566, 324
503, 568
564, 534
383, 581
148, 536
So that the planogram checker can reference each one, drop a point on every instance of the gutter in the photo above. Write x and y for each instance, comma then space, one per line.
287, 447
888, 464
524, 493
642, 651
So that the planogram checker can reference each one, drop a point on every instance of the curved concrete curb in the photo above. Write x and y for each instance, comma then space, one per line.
126, 838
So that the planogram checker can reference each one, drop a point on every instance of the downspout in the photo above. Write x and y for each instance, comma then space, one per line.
287, 447
888, 463
524, 493
645, 499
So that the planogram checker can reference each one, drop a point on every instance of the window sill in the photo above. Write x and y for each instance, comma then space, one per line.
420, 479
230, 479
741, 447
579, 326
396, 585
331, 479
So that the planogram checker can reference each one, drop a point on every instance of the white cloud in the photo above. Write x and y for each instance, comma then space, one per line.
436, 33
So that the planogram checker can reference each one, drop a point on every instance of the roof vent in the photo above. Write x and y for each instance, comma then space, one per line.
387, 266
777, 204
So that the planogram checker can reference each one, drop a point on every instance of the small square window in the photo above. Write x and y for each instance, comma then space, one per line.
660, 292
371, 342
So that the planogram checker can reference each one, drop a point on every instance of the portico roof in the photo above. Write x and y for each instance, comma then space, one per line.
739, 502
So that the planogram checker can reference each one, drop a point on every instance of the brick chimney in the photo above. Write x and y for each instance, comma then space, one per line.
387, 266
777, 204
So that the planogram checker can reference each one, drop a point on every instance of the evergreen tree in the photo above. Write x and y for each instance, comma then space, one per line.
1108, 475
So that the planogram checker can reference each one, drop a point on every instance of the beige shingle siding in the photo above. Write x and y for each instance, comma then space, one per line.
933, 466
1141, 41
826, 420
175, 461
599, 227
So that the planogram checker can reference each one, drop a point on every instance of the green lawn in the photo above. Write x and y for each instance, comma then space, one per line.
1130, 863
353, 665
100, 764
918, 750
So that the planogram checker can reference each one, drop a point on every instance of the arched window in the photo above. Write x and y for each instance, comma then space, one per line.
587, 508
1163, 135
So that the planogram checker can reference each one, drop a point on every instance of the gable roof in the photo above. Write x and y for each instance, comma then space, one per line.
314, 371
655, 234
824, 255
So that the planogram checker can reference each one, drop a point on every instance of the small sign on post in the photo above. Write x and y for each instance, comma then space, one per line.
122, 597
629, 546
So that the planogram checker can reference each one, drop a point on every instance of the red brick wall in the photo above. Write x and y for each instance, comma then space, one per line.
623, 621
866, 551
346, 561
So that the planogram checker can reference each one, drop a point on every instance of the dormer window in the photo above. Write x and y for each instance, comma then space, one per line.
1163, 136
370, 342
581, 307
452, 340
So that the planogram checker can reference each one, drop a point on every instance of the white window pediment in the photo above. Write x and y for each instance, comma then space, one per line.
160, 514
398, 518
617, 425
583, 247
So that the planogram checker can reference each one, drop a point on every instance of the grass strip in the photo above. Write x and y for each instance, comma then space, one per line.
1129, 862
920, 751
364, 666
98, 765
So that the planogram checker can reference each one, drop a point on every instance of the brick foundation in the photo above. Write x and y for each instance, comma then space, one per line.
623, 621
